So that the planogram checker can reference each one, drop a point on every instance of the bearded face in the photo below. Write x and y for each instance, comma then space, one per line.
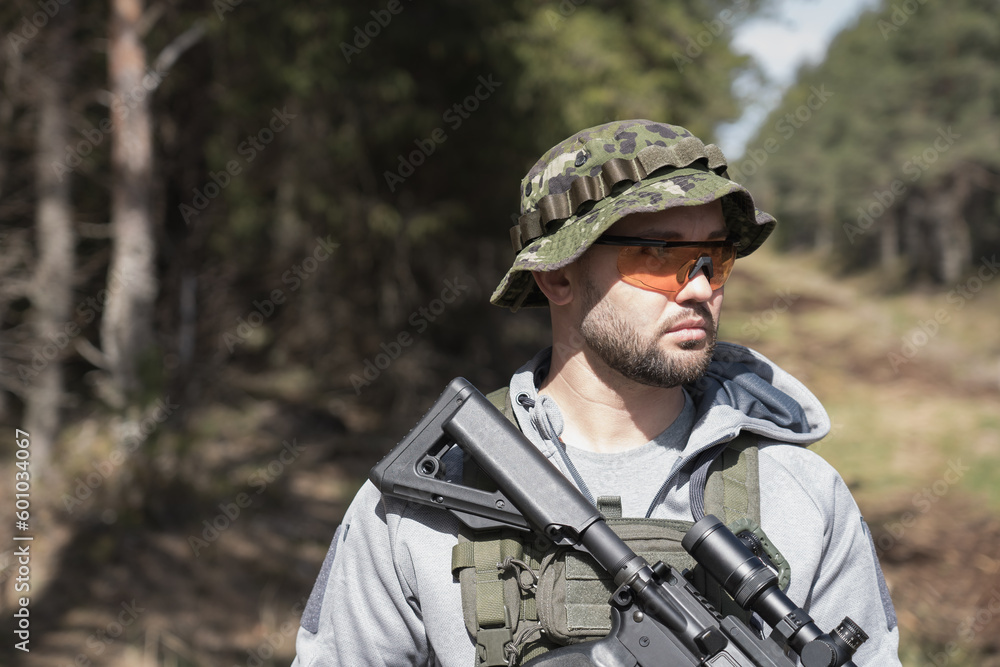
646, 357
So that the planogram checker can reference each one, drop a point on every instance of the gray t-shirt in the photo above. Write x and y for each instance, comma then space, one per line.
635, 475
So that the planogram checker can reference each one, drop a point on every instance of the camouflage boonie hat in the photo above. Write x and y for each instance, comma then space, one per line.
586, 183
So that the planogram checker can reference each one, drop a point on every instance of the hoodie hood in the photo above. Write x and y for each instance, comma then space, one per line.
742, 391
745, 391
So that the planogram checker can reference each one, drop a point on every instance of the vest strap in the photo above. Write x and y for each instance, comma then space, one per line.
491, 591
732, 485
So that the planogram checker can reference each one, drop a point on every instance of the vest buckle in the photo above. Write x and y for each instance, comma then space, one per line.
492, 643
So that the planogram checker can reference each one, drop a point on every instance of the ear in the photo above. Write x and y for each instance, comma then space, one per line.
555, 285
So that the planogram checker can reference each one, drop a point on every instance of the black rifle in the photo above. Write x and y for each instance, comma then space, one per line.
657, 616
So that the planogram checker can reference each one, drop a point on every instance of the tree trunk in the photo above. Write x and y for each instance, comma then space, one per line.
889, 241
126, 327
951, 231
52, 283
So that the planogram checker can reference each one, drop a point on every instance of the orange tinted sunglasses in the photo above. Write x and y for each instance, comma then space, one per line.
667, 266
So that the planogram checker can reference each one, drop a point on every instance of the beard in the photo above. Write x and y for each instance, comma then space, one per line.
615, 340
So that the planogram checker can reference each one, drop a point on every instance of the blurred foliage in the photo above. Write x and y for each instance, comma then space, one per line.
908, 98
398, 131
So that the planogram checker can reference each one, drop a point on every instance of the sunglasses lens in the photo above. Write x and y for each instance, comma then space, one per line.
666, 269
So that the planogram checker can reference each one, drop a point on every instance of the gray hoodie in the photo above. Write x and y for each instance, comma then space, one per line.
386, 595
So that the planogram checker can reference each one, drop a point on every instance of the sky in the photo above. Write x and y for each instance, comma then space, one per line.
799, 31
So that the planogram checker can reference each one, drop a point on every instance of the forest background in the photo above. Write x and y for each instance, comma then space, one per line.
244, 244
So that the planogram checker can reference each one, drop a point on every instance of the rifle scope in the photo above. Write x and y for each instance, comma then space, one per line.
754, 586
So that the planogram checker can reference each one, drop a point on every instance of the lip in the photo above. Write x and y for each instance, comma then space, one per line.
687, 325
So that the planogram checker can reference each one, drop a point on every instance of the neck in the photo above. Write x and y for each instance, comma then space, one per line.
604, 411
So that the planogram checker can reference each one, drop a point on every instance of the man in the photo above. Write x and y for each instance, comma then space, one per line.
628, 233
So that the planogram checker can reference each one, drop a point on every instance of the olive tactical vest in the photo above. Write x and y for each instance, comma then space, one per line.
523, 596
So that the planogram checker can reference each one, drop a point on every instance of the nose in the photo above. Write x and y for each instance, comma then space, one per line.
697, 288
